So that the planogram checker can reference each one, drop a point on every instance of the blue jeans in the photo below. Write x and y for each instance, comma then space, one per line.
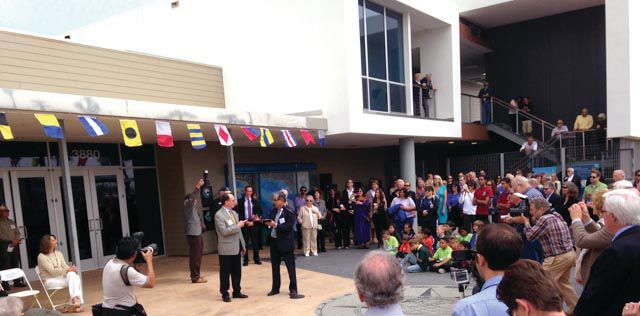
410, 259
486, 113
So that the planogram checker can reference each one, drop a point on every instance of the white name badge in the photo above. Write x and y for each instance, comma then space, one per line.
13, 226
229, 222
281, 221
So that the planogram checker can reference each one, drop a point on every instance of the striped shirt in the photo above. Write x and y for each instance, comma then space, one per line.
553, 233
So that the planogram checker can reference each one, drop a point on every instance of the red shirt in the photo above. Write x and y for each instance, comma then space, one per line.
481, 194
504, 199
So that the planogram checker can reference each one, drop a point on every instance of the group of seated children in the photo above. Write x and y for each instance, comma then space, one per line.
416, 252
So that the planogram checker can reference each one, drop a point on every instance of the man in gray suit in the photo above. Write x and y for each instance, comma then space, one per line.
231, 247
193, 228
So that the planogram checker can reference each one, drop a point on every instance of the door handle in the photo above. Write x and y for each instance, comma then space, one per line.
97, 220
24, 229
101, 227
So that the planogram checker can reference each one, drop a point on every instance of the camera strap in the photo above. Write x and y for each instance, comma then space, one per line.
124, 275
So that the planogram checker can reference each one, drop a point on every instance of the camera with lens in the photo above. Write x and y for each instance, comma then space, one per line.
463, 269
522, 209
206, 191
139, 236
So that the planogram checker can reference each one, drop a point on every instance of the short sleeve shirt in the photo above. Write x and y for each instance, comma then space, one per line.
114, 289
482, 194
442, 255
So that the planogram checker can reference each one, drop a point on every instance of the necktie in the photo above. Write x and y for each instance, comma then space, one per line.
273, 230
233, 218
250, 212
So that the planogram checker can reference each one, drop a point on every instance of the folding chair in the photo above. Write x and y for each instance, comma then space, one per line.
53, 289
16, 273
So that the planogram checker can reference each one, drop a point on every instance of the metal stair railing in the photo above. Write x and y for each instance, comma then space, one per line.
520, 115
546, 151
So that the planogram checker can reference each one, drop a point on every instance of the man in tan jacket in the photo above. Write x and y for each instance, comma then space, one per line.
231, 247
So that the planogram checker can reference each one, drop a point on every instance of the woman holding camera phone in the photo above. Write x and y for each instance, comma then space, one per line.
55, 272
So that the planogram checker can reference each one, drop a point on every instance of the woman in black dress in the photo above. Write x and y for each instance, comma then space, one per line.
569, 197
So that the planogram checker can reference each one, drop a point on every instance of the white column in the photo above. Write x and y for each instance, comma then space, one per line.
408, 166
408, 161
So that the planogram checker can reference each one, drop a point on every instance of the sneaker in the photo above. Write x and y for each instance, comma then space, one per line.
315, 254
441, 271
306, 254
345, 247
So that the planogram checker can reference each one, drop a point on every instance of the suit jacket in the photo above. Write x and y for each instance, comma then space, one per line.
230, 240
303, 217
614, 277
193, 222
345, 201
556, 201
284, 229
593, 240
576, 180
255, 208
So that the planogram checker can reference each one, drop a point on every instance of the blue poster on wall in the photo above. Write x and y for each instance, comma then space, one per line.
584, 171
545, 170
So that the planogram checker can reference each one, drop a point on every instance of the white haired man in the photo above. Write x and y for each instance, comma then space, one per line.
618, 175
380, 284
571, 176
614, 277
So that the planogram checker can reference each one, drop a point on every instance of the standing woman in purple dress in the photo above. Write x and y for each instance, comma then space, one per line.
362, 219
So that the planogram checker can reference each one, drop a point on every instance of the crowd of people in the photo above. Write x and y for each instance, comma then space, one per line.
527, 241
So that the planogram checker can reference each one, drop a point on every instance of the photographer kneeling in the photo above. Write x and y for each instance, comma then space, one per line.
497, 247
118, 277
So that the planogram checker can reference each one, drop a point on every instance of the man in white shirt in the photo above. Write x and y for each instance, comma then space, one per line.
529, 147
117, 294
560, 128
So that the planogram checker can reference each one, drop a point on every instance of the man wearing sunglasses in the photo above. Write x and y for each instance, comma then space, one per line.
594, 186
497, 247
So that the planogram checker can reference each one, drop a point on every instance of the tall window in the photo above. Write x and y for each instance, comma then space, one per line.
382, 58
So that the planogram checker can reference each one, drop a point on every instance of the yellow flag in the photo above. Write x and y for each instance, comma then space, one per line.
130, 133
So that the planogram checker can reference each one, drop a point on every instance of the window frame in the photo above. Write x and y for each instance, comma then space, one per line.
386, 81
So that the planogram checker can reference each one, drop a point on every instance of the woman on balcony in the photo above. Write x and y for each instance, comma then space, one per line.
55, 272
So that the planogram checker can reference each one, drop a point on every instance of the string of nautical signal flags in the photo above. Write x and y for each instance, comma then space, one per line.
131, 133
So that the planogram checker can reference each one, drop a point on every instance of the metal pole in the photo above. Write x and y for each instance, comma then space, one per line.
502, 173
517, 122
448, 166
68, 200
584, 156
491, 111
232, 168
563, 161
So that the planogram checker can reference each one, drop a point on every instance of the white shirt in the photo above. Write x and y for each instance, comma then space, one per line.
570, 178
350, 193
532, 148
115, 292
310, 210
466, 199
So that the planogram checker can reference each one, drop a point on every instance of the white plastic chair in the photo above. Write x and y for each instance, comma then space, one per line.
53, 289
17, 273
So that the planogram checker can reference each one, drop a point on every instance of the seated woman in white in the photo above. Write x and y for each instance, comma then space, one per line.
55, 272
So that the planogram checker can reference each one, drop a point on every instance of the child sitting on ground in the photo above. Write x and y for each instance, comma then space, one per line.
418, 260
450, 229
407, 235
441, 260
455, 244
390, 243
464, 234
428, 239
476, 228
394, 232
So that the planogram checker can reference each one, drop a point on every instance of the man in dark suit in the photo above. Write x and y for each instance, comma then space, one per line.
281, 222
571, 176
346, 213
615, 276
249, 209
552, 197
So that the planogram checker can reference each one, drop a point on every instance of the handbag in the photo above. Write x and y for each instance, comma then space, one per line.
319, 227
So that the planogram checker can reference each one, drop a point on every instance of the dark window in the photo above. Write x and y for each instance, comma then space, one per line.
378, 95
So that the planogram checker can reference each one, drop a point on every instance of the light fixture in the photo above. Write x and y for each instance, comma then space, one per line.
474, 143
451, 142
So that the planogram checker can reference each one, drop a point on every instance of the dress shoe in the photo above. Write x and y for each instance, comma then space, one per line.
246, 263
19, 284
295, 296
5, 286
272, 293
226, 299
258, 262
199, 280
240, 295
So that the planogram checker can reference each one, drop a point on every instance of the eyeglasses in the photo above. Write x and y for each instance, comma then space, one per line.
592, 177
309, 200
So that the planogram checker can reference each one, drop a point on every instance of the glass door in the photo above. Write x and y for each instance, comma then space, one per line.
35, 209
5, 192
108, 214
